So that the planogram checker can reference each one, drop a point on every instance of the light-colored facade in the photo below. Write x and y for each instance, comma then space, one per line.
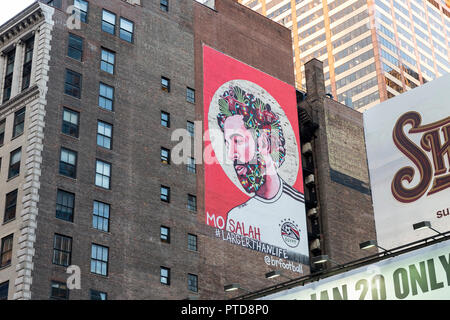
371, 49
24, 56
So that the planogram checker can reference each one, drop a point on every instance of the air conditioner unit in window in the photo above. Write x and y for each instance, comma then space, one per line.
309, 179
307, 148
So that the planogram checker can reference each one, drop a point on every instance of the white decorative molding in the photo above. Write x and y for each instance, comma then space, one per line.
33, 161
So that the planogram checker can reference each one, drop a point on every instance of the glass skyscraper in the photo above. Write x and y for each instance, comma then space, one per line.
372, 50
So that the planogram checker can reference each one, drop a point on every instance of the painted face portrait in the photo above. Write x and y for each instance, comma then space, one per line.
250, 130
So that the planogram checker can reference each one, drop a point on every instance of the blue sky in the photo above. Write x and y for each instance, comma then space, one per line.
9, 9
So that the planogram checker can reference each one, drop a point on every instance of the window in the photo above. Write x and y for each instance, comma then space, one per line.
190, 95
165, 234
190, 128
165, 275
59, 291
98, 295
68, 163
192, 242
104, 134
107, 63
165, 155
75, 49
126, 30
165, 194
6, 251
165, 119
192, 282
65, 203
62, 250
106, 97
54, 3
4, 290
26, 73
191, 165
192, 202
10, 57
19, 122
165, 84
10, 206
102, 174
14, 163
100, 216
164, 5
83, 7
72, 86
2, 131
99, 260
70, 122
108, 22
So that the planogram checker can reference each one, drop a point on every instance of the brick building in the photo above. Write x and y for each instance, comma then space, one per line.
88, 110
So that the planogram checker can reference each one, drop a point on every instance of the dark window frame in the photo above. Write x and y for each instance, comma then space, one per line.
6, 252
72, 87
69, 128
65, 211
165, 155
59, 290
95, 293
165, 197
109, 24
67, 167
10, 206
165, 123
71, 46
122, 30
105, 137
190, 95
2, 131
19, 122
164, 279
98, 219
164, 5
62, 256
192, 242
192, 202
9, 73
4, 288
164, 237
14, 168
27, 63
165, 87
97, 260
192, 282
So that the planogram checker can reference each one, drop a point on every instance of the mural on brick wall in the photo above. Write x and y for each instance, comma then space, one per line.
253, 180
408, 150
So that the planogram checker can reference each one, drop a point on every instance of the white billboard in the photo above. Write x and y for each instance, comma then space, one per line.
408, 150
422, 274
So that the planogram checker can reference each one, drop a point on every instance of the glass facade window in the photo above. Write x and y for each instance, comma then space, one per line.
68, 163
107, 61
354, 62
65, 205
70, 122
59, 291
6, 251
19, 122
165, 276
126, 31
14, 163
102, 174
100, 216
75, 48
165, 119
28, 59
106, 97
7, 83
108, 22
355, 76
104, 134
99, 259
72, 85
62, 250
10, 206
82, 7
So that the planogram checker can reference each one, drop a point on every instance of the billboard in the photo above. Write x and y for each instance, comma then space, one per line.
422, 274
408, 150
253, 175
